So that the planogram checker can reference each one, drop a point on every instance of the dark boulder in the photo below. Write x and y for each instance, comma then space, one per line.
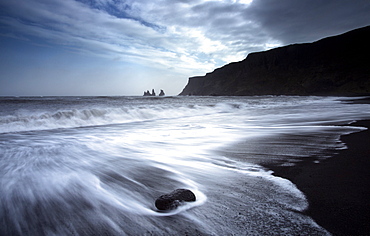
174, 199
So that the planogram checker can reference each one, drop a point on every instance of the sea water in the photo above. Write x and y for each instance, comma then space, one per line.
95, 165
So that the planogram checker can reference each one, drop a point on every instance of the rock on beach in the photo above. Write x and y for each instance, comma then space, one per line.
174, 199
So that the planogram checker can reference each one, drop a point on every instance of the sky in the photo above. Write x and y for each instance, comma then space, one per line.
124, 47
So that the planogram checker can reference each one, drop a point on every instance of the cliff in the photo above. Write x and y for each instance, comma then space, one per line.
338, 65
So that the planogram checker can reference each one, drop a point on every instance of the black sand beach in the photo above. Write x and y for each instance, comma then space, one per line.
338, 189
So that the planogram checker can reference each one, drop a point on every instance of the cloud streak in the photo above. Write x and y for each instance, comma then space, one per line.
76, 25
187, 36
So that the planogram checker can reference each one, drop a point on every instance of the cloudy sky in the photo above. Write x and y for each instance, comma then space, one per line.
123, 47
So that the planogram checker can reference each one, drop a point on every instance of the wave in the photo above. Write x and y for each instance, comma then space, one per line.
75, 118
20, 115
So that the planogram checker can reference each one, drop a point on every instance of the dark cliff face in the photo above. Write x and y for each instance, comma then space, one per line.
338, 65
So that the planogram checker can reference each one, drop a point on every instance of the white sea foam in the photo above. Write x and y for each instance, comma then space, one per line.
28, 120
104, 176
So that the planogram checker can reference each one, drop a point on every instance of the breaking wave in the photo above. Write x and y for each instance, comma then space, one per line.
29, 121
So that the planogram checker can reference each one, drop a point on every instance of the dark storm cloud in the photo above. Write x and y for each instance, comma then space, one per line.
287, 21
292, 21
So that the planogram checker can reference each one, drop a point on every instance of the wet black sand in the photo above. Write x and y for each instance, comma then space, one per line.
338, 188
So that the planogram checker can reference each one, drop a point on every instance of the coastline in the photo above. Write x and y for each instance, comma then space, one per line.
338, 188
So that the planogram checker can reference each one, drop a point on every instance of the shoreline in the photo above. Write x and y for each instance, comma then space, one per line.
338, 188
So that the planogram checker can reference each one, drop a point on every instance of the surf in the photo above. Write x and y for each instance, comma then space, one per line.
97, 164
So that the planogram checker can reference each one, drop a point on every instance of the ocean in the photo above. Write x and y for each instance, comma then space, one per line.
95, 165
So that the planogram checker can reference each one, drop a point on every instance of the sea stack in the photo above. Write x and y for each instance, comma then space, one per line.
147, 93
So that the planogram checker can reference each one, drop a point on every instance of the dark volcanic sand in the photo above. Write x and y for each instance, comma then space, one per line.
338, 188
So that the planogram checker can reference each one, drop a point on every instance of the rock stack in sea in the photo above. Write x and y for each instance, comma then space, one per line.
162, 93
147, 93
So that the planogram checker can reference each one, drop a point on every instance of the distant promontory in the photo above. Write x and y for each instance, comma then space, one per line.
337, 66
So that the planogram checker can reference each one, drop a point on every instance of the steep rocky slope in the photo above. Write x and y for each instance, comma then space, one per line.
338, 65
